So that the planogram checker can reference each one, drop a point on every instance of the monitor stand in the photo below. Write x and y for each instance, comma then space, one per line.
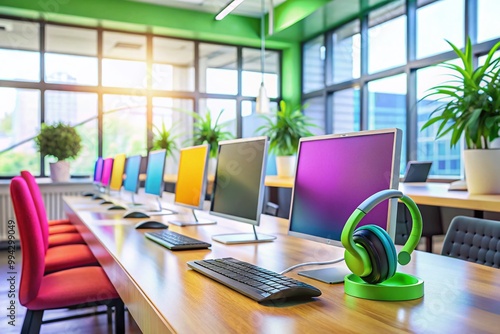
161, 211
194, 222
243, 238
327, 275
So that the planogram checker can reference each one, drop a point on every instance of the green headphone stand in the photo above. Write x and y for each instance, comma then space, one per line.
397, 288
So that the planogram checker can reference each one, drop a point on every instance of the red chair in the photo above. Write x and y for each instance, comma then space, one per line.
61, 231
72, 288
64, 256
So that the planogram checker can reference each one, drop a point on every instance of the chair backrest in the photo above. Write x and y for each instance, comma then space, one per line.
33, 253
39, 205
473, 239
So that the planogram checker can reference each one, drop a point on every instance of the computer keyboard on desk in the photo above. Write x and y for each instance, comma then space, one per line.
176, 241
252, 281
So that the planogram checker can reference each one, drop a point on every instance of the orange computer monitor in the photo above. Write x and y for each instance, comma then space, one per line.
192, 176
117, 173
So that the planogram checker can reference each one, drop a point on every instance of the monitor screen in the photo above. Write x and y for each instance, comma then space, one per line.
98, 170
239, 179
106, 171
117, 173
192, 176
154, 172
335, 173
131, 182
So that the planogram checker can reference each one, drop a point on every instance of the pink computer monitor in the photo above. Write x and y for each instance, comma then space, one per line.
106, 172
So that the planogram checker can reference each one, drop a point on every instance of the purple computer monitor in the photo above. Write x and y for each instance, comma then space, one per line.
98, 170
106, 172
335, 173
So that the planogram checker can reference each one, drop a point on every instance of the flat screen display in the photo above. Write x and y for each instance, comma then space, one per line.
239, 178
192, 176
117, 172
335, 174
131, 182
106, 171
154, 173
98, 170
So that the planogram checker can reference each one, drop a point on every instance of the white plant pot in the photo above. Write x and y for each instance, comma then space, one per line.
482, 171
285, 165
59, 171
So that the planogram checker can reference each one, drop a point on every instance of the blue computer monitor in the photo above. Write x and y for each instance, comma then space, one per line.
336, 173
238, 189
155, 173
132, 169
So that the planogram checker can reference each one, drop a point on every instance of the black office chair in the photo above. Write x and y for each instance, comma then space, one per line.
271, 209
432, 224
474, 240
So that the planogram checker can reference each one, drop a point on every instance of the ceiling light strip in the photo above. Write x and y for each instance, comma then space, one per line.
228, 9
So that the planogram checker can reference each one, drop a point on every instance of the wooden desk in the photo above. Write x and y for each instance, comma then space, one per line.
163, 295
437, 194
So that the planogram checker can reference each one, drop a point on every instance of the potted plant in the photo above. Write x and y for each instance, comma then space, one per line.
208, 132
62, 142
165, 139
470, 108
285, 129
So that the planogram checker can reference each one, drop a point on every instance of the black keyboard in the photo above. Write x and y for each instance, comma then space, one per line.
176, 241
252, 281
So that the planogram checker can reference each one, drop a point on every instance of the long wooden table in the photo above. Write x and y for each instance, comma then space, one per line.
164, 296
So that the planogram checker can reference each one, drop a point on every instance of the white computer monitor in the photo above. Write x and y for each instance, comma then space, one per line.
336, 173
191, 184
238, 190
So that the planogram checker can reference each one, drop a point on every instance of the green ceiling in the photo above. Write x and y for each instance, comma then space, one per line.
295, 20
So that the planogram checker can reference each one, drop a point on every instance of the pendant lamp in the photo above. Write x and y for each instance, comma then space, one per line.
262, 103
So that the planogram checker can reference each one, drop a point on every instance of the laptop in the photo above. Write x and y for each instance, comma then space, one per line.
417, 171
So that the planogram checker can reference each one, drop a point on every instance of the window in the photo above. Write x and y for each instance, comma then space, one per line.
315, 109
439, 21
313, 70
252, 72
174, 114
19, 122
80, 110
345, 111
386, 44
487, 13
218, 73
346, 44
387, 107
429, 148
124, 125
118, 93
250, 120
19, 65
173, 67
225, 108
68, 69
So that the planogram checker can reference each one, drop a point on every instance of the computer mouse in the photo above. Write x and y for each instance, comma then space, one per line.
106, 202
116, 207
136, 214
150, 224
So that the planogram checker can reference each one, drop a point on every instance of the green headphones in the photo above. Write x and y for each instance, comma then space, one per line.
369, 250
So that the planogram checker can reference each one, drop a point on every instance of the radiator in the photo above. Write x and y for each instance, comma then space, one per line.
52, 196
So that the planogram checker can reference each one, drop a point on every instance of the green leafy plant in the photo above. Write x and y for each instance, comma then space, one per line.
470, 101
165, 139
59, 140
285, 129
207, 133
